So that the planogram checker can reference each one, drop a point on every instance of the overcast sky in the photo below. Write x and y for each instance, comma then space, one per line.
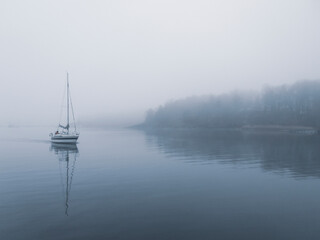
127, 56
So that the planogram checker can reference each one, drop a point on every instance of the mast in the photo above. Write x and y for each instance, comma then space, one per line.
68, 102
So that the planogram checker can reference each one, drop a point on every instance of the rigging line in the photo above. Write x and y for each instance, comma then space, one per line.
61, 106
74, 121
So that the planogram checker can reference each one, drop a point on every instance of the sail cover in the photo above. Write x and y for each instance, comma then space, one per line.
64, 127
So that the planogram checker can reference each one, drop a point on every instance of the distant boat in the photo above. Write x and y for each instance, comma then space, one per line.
63, 133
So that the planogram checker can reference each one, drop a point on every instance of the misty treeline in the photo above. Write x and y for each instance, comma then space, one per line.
289, 105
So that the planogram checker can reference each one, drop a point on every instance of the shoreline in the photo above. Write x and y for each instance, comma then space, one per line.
246, 128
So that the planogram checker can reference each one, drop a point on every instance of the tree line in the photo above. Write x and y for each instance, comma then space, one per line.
297, 104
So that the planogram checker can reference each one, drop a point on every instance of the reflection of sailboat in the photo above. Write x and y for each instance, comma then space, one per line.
67, 153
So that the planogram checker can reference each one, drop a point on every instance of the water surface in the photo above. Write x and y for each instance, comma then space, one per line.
129, 184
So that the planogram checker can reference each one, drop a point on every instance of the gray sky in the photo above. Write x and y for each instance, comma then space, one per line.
127, 56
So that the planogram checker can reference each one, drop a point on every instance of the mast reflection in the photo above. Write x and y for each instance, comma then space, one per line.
67, 155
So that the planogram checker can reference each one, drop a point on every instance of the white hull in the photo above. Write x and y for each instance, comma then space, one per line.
65, 139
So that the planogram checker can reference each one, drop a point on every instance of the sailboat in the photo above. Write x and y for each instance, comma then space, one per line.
63, 133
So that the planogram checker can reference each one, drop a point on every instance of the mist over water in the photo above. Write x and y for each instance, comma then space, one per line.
159, 184
124, 57
229, 148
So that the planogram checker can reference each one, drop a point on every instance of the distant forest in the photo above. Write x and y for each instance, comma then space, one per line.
287, 105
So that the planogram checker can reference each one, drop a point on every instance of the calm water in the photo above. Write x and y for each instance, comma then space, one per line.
128, 184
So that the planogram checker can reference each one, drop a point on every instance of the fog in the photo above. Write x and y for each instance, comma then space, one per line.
125, 57
287, 105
